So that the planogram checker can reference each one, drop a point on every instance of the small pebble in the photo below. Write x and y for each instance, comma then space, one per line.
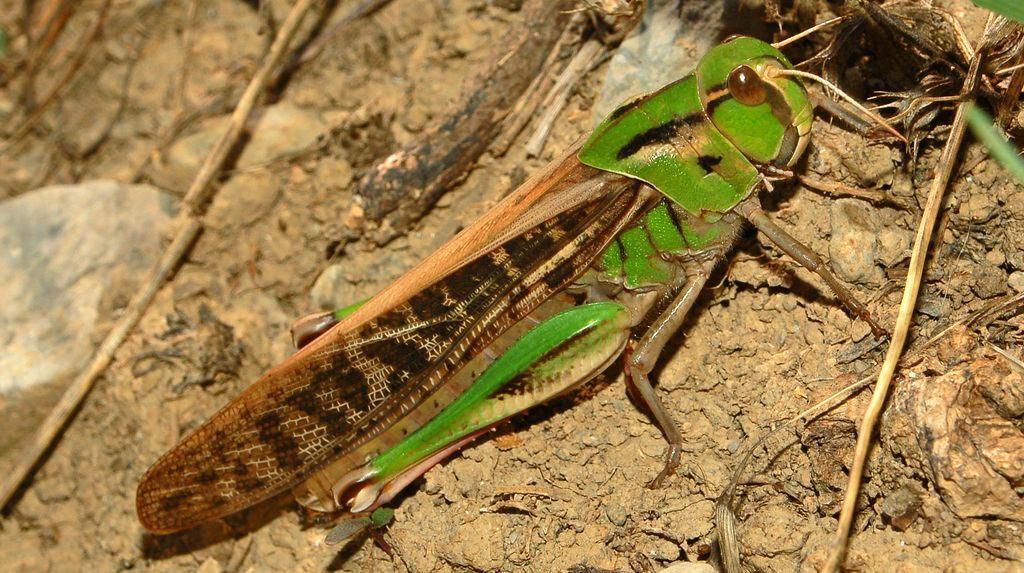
893, 246
995, 258
1014, 207
1016, 281
901, 508
934, 307
854, 242
663, 550
989, 281
616, 514
980, 208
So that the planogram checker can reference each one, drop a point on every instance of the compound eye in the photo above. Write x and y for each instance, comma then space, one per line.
746, 86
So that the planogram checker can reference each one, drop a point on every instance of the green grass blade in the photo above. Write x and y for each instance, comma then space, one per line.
1001, 150
381, 517
1012, 9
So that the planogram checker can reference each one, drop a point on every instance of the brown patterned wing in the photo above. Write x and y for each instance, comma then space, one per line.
361, 377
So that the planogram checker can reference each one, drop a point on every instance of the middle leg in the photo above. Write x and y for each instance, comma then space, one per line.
642, 355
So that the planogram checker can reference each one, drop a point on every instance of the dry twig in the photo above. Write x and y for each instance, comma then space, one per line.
41, 38
585, 59
403, 186
526, 106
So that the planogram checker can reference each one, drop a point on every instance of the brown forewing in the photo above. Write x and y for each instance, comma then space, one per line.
366, 373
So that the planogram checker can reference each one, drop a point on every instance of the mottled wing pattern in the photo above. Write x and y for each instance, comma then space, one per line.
297, 417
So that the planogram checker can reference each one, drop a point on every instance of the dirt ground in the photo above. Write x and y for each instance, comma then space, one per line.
560, 488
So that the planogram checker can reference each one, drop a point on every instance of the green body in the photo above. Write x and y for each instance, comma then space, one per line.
363, 409
702, 150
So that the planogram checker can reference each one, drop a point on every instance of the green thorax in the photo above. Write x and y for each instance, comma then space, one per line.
699, 144
638, 257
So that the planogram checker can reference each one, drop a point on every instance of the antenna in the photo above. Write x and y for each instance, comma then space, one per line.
783, 43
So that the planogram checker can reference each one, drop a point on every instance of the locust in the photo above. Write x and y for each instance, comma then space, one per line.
599, 257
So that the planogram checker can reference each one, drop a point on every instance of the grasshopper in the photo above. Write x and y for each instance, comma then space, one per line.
601, 255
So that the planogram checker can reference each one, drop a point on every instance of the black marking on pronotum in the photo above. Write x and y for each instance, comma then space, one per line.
722, 86
713, 104
621, 250
674, 217
659, 134
708, 162
721, 93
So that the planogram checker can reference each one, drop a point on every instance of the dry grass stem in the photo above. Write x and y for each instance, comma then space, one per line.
584, 60
526, 106
906, 310
813, 29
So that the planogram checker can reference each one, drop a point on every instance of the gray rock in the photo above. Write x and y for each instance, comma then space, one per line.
62, 248
893, 246
902, 506
665, 46
616, 514
331, 287
989, 280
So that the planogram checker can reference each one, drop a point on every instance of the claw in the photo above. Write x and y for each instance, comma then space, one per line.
671, 464
876, 329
